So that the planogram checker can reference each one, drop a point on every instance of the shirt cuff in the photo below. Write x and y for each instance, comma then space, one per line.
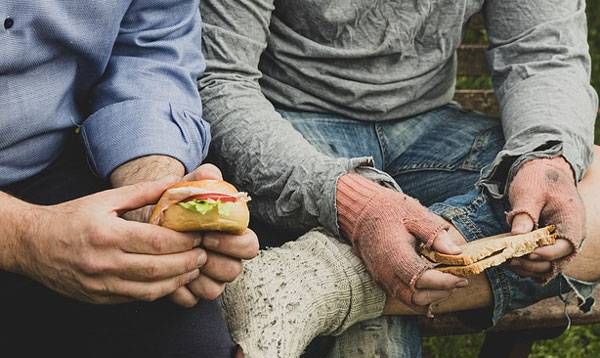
128, 130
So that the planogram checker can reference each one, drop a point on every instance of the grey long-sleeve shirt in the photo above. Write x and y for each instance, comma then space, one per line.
380, 60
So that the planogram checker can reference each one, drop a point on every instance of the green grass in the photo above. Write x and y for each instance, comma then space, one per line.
579, 341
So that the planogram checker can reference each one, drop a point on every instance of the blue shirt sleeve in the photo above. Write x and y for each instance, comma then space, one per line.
147, 102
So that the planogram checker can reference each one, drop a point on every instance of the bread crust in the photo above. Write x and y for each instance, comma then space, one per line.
169, 214
491, 251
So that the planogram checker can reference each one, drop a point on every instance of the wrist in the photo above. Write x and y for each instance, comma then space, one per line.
353, 195
148, 168
558, 163
19, 221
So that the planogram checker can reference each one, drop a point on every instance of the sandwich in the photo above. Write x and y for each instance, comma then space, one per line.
204, 205
478, 255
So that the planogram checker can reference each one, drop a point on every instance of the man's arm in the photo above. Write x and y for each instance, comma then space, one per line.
14, 216
149, 168
147, 102
541, 71
292, 184
83, 250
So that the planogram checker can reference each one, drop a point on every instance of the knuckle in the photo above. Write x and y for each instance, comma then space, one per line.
91, 266
180, 281
97, 236
157, 244
193, 261
152, 271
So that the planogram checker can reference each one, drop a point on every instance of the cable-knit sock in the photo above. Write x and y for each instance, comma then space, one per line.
289, 295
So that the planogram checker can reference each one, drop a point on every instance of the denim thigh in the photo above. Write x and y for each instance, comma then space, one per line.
437, 157
447, 150
337, 136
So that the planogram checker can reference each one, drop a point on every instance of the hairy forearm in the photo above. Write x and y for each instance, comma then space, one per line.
15, 223
149, 168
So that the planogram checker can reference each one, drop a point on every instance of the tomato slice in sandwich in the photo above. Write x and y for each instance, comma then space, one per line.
224, 198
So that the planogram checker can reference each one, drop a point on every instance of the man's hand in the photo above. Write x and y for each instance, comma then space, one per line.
84, 250
544, 191
145, 169
225, 253
383, 226
224, 264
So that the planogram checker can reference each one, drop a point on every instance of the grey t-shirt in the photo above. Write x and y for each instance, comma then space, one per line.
380, 60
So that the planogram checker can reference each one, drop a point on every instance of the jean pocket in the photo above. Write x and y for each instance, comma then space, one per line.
465, 144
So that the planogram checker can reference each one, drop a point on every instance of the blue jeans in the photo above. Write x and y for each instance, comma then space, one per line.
437, 157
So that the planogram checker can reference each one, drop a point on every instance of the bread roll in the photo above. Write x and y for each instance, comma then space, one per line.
170, 214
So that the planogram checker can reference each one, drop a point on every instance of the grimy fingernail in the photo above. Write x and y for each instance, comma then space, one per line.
463, 283
197, 242
534, 256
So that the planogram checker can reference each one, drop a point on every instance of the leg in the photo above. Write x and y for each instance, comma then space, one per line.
159, 329
334, 291
342, 137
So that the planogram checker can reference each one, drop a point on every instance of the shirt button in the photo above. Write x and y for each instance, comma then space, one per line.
8, 23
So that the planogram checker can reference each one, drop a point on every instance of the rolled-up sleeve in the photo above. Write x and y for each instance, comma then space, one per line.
147, 102
541, 72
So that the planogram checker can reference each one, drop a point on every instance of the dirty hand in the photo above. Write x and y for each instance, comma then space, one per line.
544, 192
383, 226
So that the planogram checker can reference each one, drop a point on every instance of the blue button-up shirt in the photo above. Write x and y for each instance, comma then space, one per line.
123, 71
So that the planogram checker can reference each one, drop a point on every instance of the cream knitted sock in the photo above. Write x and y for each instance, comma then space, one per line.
289, 295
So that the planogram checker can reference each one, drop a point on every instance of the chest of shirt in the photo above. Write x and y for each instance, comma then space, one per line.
38, 32
376, 23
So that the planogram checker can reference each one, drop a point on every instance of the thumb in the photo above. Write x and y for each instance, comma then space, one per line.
205, 171
444, 244
135, 196
522, 223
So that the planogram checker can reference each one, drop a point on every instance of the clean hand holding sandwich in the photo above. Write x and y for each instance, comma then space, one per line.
202, 205
205, 203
